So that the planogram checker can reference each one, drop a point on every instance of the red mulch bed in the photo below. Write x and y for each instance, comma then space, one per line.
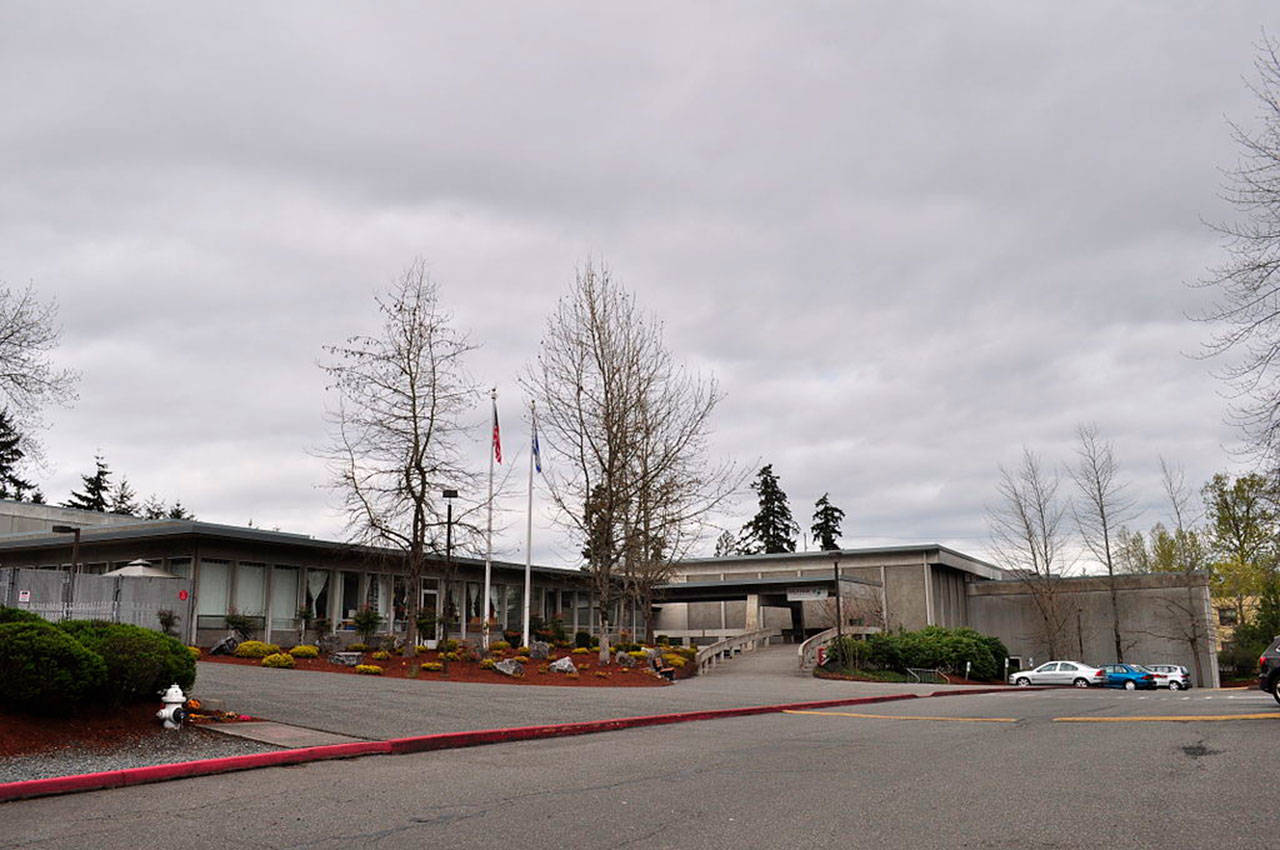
468, 671
22, 734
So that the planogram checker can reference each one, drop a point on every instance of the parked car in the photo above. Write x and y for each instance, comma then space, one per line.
1269, 669
1059, 673
1172, 676
1128, 676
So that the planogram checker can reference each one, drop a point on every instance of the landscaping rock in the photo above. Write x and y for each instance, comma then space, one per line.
539, 649
510, 667
624, 659
347, 659
563, 665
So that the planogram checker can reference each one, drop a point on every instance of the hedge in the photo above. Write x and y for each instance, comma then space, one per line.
932, 647
18, 615
141, 663
45, 670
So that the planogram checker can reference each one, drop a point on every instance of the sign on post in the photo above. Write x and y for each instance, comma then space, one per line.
24, 596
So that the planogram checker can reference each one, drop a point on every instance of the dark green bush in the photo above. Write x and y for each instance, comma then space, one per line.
140, 662
46, 671
366, 622
932, 647
18, 615
582, 640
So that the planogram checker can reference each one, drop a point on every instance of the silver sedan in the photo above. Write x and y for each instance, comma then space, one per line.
1060, 673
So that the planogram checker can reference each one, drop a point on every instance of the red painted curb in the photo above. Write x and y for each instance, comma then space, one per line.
453, 740
420, 743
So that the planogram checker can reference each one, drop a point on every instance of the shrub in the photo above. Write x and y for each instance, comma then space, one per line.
638, 654
420, 648
45, 670
433, 666
663, 640
282, 660
305, 650
674, 659
370, 669
140, 662
523, 659
18, 615
450, 656
582, 650
239, 623
499, 646
256, 649
689, 652
366, 622
381, 655
358, 647
522, 650
488, 664
447, 645
195, 652
167, 619
582, 640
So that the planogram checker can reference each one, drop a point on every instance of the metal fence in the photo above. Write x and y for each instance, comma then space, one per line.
58, 595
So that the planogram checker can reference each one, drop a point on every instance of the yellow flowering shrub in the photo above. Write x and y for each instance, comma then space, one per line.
305, 650
370, 669
256, 649
281, 660
381, 655
432, 666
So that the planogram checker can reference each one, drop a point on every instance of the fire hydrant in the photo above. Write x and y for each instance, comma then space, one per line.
173, 713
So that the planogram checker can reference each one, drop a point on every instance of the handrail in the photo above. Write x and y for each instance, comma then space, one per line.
808, 651
721, 649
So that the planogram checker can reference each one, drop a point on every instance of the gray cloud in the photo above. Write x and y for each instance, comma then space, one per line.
906, 240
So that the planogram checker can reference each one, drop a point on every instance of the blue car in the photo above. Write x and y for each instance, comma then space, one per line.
1128, 676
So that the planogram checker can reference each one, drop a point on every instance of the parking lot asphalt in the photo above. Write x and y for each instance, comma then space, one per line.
374, 708
791, 780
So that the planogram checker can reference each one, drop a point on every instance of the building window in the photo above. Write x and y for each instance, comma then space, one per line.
284, 598
1227, 617
251, 590
213, 594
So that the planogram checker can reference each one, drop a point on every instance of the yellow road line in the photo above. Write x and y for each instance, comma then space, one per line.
1168, 718
908, 717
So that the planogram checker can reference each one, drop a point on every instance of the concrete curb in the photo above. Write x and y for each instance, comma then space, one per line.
421, 743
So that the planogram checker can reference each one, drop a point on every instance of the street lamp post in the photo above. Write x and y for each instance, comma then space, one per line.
449, 496
68, 584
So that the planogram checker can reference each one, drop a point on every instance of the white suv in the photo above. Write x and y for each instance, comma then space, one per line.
1172, 676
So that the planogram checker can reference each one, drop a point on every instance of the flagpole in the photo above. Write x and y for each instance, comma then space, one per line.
528, 527
488, 551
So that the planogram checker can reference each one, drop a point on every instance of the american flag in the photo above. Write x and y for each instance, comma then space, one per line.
497, 437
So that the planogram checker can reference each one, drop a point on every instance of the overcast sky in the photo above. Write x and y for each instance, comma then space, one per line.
906, 238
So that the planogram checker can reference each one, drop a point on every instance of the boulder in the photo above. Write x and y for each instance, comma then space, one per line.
624, 659
510, 667
539, 649
563, 665
347, 659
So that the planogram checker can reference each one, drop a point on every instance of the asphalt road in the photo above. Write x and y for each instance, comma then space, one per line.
1001, 770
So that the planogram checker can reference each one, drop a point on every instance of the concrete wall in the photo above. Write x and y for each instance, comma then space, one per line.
21, 517
1158, 612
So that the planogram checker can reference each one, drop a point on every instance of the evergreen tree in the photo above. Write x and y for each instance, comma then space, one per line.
772, 530
154, 508
123, 499
97, 488
726, 544
826, 523
11, 456
179, 512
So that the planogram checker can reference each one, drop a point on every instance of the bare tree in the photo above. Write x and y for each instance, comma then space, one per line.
28, 334
1247, 283
399, 428
1186, 616
631, 426
1028, 540
1104, 510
